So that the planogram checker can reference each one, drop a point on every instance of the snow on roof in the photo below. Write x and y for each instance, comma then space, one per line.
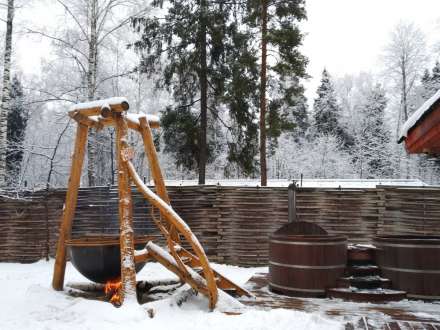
307, 183
418, 115
98, 103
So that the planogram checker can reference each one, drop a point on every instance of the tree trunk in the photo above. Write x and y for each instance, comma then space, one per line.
404, 96
6, 93
92, 145
263, 82
203, 94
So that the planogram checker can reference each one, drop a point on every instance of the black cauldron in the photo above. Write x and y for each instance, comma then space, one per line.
98, 258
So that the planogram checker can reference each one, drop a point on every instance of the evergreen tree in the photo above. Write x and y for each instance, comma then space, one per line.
373, 140
426, 89
287, 114
203, 48
435, 78
327, 113
240, 96
17, 121
430, 83
279, 33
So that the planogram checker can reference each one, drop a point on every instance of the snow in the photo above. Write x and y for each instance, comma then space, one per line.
98, 103
416, 116
306, 183
29, 302
134, 117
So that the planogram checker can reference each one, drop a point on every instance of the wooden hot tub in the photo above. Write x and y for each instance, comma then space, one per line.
306, 265
412, 263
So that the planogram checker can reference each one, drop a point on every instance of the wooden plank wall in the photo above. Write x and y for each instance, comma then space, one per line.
232, 223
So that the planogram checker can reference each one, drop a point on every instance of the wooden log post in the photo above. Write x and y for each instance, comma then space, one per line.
156, 172
175, 220
153, 159
69, 206
128, 272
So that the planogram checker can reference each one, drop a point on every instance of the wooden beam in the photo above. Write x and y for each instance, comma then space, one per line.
141, 256
156, 172
84, 120
153, 160
69, 206
175, 220
102, 109
167, 261
128, 272
134, 122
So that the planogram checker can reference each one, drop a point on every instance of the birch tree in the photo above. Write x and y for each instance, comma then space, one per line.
404, 59
6, 92
91, 28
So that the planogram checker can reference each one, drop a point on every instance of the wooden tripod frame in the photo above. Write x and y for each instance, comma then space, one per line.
193, 268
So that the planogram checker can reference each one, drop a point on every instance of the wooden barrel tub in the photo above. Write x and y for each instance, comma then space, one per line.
412, 263
98, 258
305, 265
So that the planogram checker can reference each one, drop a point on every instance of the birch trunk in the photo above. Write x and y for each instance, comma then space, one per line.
6, 93
91, 88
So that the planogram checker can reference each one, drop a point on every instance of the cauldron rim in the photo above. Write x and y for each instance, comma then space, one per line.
100, 240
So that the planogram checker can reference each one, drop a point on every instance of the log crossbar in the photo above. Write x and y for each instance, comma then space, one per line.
113, 112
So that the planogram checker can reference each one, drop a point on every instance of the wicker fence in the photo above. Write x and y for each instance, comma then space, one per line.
232, 223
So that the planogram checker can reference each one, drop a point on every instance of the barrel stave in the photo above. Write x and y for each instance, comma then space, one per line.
306, 265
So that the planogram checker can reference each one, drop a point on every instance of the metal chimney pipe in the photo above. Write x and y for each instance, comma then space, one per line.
291, 190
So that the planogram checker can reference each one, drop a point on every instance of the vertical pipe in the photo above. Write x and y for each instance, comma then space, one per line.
292, 202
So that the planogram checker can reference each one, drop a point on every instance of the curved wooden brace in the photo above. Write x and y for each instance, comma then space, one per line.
177, 222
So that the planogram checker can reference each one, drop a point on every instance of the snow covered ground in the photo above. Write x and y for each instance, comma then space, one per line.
28, 302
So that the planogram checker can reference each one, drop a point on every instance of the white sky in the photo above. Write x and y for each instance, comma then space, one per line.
345, 36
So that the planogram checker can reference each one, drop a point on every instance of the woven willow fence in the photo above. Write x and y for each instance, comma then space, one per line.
232, 223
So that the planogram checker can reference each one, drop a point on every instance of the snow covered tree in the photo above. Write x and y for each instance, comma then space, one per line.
88, 62
404, 59
321, 157
6, 92
17, 121
373, 139
327, 112
430, 82
210, 67
277, 22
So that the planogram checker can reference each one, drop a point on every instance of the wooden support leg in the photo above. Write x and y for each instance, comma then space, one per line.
128, 272
156, 173
69, 206
153, 160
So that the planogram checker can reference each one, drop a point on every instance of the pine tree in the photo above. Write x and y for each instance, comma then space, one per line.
279, 33
17, 121
426, 87
191, 37
373, 140
240, 95
435, 78
327, 113
209, 63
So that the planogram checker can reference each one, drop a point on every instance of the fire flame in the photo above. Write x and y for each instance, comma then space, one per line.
113, 289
